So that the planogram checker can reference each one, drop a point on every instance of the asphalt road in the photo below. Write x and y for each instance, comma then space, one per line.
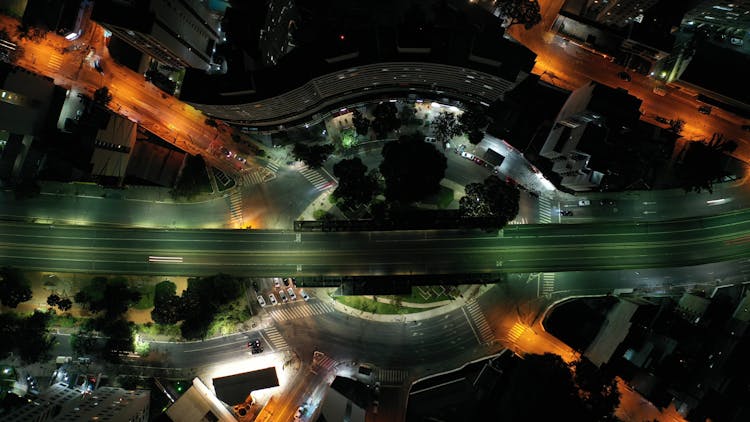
518, 248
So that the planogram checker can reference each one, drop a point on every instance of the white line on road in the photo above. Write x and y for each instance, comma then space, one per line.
213, 347
473, 330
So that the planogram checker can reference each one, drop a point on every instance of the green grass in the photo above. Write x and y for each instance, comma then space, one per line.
147, 296
65, 321
173, 331
415, 297
442, 198
374, 307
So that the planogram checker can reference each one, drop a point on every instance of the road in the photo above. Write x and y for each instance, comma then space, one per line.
518, 248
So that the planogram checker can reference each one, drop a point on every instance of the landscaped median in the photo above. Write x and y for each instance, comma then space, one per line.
421, 299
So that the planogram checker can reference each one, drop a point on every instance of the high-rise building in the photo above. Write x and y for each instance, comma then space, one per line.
618, 13
729, 14
180, 33
105, 404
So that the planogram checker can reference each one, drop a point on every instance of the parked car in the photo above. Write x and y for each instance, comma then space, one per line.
291, 293
584, 203
304, 295
255, 287
286, 282
261, 301
276, 282
273, 299
283, 296
704, 109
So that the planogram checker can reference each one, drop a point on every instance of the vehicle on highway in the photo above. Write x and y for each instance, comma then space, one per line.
291, 293
283, 296
273, 299
609, 202
304, 295
661, 120
584, 203
704, 110
261, 301
566, 213
625, 76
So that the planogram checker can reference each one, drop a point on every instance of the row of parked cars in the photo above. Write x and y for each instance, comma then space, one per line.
285, 296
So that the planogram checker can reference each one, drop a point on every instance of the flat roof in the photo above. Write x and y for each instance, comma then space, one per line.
234, 389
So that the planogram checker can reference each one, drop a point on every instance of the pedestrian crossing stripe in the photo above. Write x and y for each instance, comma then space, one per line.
548, 283
516, 332
235, 206
484, 331
294, 311
319, 181
55, 61
392, 377
272, 166
322, 362
275, 339
545, 210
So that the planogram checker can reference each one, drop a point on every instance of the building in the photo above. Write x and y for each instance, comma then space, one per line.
579, 139
63, 404
199, 403
730, 16
617, 13
459, 54
179, 33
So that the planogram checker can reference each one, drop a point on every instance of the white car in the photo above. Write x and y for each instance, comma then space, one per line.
291, 293
304, 295
261, 301
273, 299
467, 155
282, 296
276, 282
300, 413
584, 203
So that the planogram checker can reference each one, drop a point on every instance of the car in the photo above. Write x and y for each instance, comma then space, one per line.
272, 298
304, 295
660, 91
255, 287
746, 128
255, 346
704, 110
467, 155
430, 139
477, 160
241, 159
625, 76
566, 213
300, 413
261, 301
286, 282
584, 203
276, 282
283, 296
291, 293
609, 202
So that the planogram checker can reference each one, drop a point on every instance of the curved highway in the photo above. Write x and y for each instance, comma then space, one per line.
518, 248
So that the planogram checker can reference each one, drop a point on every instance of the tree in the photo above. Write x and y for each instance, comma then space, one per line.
168, 310
64, 304
112, 296
102, 96
314, 156
445, 126
355, 186
83, 343
676, 125
524, 12
360, 122
412, 168
53, 300
14, 287
34, 341
385, 120
702, 163
408, 111
493, 199
597, 390
472, 122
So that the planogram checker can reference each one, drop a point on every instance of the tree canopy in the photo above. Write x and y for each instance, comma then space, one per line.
314, 156
472, 122
524, 12
28, 336
445, 126
412, 168
14, 287
355, 186
193, 178
702, 163
494, 199
112, 296
386, 119
360, 122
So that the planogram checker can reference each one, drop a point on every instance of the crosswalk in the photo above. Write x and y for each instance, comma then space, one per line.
319, 181
235, 207
481, 328
545, 209
392, 377
256, 177
273, 166
321, 362
516, 332
547, 284
299, 310
275, 339
55, 61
